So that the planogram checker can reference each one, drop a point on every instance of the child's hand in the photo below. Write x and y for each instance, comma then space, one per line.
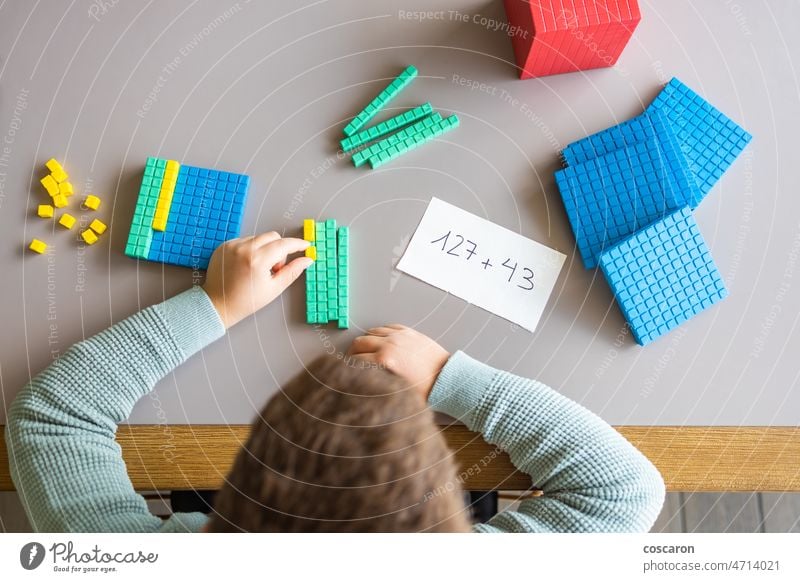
245, 274
405, 352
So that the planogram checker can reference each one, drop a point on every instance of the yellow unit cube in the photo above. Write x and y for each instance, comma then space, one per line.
45, 211
92, 202
59, 200
311, 253
65, 188
50, 185
98, 226
53, 165
56, 170
67, 221
89, 237
308, 230
37, 246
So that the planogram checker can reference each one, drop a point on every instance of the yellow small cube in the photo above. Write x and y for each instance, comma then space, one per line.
53, 165
37, 246
98, 226
45, 211
92, 202
50, 185
308, 230
65, 188
311, 253
67, 221
59, 200
89, 236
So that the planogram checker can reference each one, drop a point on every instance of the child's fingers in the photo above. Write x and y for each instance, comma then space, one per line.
278, 266
365, 344
381, 331
277, 250
265, 238
290, 272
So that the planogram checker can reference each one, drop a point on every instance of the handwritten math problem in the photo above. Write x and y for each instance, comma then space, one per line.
451, 243
483, 263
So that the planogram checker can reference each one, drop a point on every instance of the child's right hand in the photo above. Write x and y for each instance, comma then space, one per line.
247, 273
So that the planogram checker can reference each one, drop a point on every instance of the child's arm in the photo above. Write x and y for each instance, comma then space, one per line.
592, 478
64, 460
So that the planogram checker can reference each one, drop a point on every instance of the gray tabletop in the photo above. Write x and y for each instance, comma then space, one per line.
266, 89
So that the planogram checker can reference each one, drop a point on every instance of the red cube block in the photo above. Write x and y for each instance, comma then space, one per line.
553, 37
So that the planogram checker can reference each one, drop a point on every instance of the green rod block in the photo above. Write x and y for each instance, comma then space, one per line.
389, 93
361, 157
388, 126
414, 141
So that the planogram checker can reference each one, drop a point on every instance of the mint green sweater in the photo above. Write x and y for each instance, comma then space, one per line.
70, 474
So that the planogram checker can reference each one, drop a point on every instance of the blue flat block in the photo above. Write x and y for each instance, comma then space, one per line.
609, 198
653, 125
203, 215
709, 139
663, 275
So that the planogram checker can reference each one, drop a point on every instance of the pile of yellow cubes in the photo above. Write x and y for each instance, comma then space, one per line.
60, 190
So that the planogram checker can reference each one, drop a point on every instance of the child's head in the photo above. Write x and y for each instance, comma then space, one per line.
343, 448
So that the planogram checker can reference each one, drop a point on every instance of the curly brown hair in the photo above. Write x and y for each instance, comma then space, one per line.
343, 447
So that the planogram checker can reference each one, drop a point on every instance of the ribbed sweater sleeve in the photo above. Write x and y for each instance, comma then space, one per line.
64, 460
593, 480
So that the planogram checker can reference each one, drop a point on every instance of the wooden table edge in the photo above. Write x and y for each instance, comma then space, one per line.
691, 458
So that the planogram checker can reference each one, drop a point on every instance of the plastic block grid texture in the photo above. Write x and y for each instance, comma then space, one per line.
653, 125
327, 279
141, 233
611, 197
343, 268
579, 14
310, 234
415, 140
710, 140
563, 37
395, 87
321, 277
364, 155
388, 126
663, 275
331, 270
206, 209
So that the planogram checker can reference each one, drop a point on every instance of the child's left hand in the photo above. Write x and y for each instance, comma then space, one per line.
404, 351
246, 274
